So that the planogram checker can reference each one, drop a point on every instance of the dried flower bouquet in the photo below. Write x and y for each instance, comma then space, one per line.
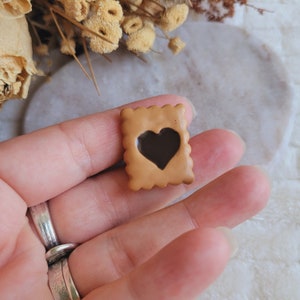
98, 25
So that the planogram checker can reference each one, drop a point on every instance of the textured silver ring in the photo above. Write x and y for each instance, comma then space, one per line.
59, 277
60, 281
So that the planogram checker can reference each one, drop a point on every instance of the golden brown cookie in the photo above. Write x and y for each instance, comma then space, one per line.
156, 146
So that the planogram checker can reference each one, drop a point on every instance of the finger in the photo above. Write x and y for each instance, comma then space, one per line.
49, 161
103, 202
229, 200
180, 271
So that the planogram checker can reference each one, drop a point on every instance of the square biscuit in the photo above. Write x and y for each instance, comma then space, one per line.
157, 152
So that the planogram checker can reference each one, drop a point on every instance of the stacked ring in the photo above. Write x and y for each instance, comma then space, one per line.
59, 277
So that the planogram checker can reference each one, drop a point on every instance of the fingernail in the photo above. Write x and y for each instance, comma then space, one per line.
194, 111
230, 239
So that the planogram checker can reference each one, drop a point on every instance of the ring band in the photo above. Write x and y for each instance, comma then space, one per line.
59, 277
58, 252
61, 283
42, 220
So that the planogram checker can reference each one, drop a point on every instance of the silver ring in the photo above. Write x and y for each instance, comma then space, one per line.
58, 252
43, 224
61, 283
59, 277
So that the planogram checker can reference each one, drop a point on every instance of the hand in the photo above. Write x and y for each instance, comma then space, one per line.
133, 245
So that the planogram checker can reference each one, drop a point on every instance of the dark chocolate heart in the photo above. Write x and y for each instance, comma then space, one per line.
159, 148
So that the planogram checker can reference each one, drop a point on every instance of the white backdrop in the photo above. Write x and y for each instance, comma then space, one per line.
267, 265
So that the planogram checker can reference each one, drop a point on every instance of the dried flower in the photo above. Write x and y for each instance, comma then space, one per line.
16, 63
68, 46
108, 10
141, 40
176, 45
216, 10
132, 23
103, 36
173, 17
77, 10
41, 50
131, 5
14, 8
152, 7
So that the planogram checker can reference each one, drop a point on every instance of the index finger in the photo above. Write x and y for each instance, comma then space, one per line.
49, 161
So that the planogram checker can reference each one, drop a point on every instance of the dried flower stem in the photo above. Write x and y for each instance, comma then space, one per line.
87, 55
77, 24
64, 38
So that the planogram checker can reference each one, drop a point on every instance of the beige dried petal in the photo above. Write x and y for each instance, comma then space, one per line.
16, 64
132, 23
16, 87
173, 17
12, 75
77, 10
141, 40
176, 45
111, 33
108, 10
14, 8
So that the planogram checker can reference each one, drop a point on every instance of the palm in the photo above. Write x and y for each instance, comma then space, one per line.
129, 243
25, 267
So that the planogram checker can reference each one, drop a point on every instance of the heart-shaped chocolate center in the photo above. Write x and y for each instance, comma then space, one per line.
159, 148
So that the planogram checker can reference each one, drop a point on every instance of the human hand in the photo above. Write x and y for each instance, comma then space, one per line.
133, 245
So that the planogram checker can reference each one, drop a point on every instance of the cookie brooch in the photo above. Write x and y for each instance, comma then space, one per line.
157, 152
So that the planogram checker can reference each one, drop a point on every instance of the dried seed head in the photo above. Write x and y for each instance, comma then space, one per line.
47, 19
67, 46
173, 17
216, 10
132, 23
141, 40
77, 10
153, 7
108, 10
176, 45
111, 33
42, 50
131, 5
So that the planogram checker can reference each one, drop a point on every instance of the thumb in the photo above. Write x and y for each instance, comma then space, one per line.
12, 220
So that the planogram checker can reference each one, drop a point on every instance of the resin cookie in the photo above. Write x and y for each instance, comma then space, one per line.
156, 146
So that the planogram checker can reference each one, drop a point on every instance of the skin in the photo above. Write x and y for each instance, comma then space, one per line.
133, 245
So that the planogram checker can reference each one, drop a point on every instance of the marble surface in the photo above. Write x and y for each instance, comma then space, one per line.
234, 80
13, 112
267, 263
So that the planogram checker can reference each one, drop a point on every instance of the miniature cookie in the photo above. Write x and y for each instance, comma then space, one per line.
156, 146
